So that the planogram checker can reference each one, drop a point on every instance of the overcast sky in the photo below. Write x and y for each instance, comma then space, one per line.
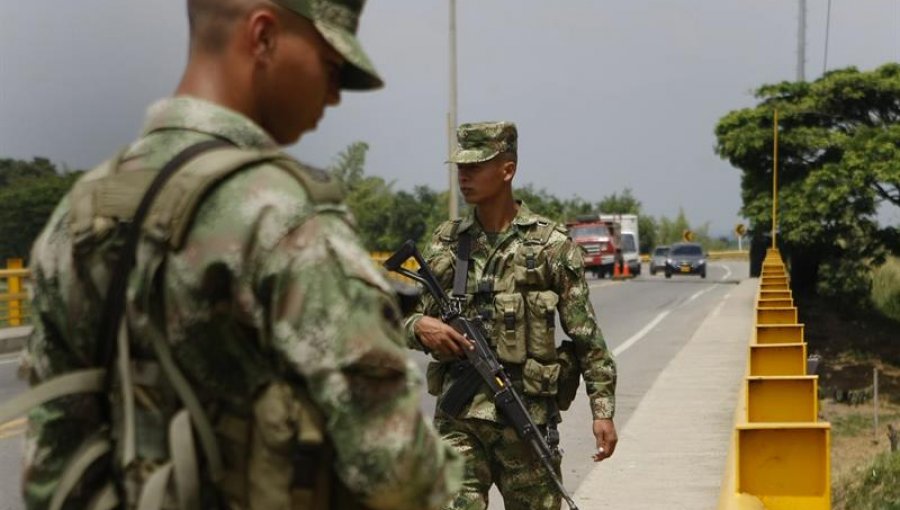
607, 94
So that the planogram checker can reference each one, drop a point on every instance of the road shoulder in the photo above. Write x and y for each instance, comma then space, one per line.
672, 452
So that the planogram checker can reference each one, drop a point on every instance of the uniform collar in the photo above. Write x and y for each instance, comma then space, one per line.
194, 114
524, 217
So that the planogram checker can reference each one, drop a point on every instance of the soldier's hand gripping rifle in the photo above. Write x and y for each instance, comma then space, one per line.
485, 369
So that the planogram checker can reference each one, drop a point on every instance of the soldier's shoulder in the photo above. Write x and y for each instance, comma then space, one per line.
547, 230
447, 231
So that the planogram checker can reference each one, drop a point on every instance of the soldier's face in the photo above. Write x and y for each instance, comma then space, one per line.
301, 78
482, 182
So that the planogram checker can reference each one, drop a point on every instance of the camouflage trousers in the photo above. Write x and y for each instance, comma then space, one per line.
495, 455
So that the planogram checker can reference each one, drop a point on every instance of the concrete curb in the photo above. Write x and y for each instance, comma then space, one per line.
13, 339
672, 452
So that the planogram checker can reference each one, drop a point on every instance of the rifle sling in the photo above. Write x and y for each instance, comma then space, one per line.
461, 275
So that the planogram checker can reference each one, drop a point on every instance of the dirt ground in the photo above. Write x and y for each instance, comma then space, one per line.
851, 347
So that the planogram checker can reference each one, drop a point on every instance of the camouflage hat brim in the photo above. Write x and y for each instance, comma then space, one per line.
359, 73
472, 156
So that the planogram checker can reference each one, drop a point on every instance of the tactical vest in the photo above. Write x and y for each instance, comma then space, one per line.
517, 305
275, 455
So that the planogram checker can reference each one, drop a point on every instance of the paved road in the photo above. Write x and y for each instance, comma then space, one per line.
646, 322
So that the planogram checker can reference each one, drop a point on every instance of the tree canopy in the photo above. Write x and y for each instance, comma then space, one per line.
839, 140
387, 217
29, 191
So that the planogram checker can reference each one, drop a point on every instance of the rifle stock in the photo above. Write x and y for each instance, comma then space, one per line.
483, 363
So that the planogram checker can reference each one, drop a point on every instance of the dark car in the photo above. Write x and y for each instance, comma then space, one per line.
686, 258
658, 259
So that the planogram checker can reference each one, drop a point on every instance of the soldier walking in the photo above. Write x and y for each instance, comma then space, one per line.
523, 270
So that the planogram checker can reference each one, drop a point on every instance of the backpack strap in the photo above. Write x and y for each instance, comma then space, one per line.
87, 454
81, 381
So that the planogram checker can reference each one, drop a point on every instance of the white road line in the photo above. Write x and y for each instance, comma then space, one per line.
696, 295
624, 346
627, 344
9, 360
727, 272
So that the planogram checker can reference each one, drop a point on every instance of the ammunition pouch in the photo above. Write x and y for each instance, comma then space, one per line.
434, 377
569, 374
540, 379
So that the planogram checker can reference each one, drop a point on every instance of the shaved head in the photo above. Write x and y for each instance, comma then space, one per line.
211, 21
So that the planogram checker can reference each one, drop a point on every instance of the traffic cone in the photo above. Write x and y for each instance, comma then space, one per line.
616, 273
626, 273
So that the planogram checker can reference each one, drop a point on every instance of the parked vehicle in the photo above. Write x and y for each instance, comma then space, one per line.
629, 240
686, 259
658, 259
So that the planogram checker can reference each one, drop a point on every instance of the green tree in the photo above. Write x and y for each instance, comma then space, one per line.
625, 203
29, 191
838, 146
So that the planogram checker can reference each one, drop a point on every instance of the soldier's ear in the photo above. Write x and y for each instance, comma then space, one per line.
509, 170
262, 29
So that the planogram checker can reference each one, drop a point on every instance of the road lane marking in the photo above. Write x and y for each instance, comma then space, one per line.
624, 346
727, 271
601, 284
635, 338
12, 428
696, 295
10, 360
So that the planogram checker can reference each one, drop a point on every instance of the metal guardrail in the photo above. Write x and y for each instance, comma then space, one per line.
14, 304
14, 307
717, 255
780, 455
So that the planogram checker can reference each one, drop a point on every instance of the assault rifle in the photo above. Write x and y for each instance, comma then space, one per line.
487, 370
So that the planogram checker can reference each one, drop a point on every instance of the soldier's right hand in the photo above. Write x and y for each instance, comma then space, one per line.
441, 339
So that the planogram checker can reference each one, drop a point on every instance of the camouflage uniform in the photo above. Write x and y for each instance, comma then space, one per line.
516, 283
267, 289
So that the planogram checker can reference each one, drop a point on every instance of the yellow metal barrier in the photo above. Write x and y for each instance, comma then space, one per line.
777, 359
776, 302
785, 465
13, 298
779, 333
780, 456
782, 398
14, 310
776, 315
775, 294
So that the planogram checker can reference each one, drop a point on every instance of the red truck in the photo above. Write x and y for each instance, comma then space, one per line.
599, 240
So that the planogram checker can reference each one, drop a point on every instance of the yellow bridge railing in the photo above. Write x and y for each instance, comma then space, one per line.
14, 309
14, 306
780, 456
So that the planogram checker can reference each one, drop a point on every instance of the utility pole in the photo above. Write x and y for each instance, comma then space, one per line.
775, 179
827, 33
801, 42
451, 119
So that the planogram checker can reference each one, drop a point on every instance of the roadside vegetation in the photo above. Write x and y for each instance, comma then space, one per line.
839, 164
386, 216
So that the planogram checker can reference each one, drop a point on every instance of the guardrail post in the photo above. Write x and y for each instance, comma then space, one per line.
14, 286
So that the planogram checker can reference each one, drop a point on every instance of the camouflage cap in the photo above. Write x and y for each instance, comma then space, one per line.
482, 141
338, 21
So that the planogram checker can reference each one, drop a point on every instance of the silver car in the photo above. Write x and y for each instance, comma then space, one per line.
658, 259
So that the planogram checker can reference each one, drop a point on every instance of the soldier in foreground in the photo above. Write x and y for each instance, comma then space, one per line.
252, 314
523, 268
